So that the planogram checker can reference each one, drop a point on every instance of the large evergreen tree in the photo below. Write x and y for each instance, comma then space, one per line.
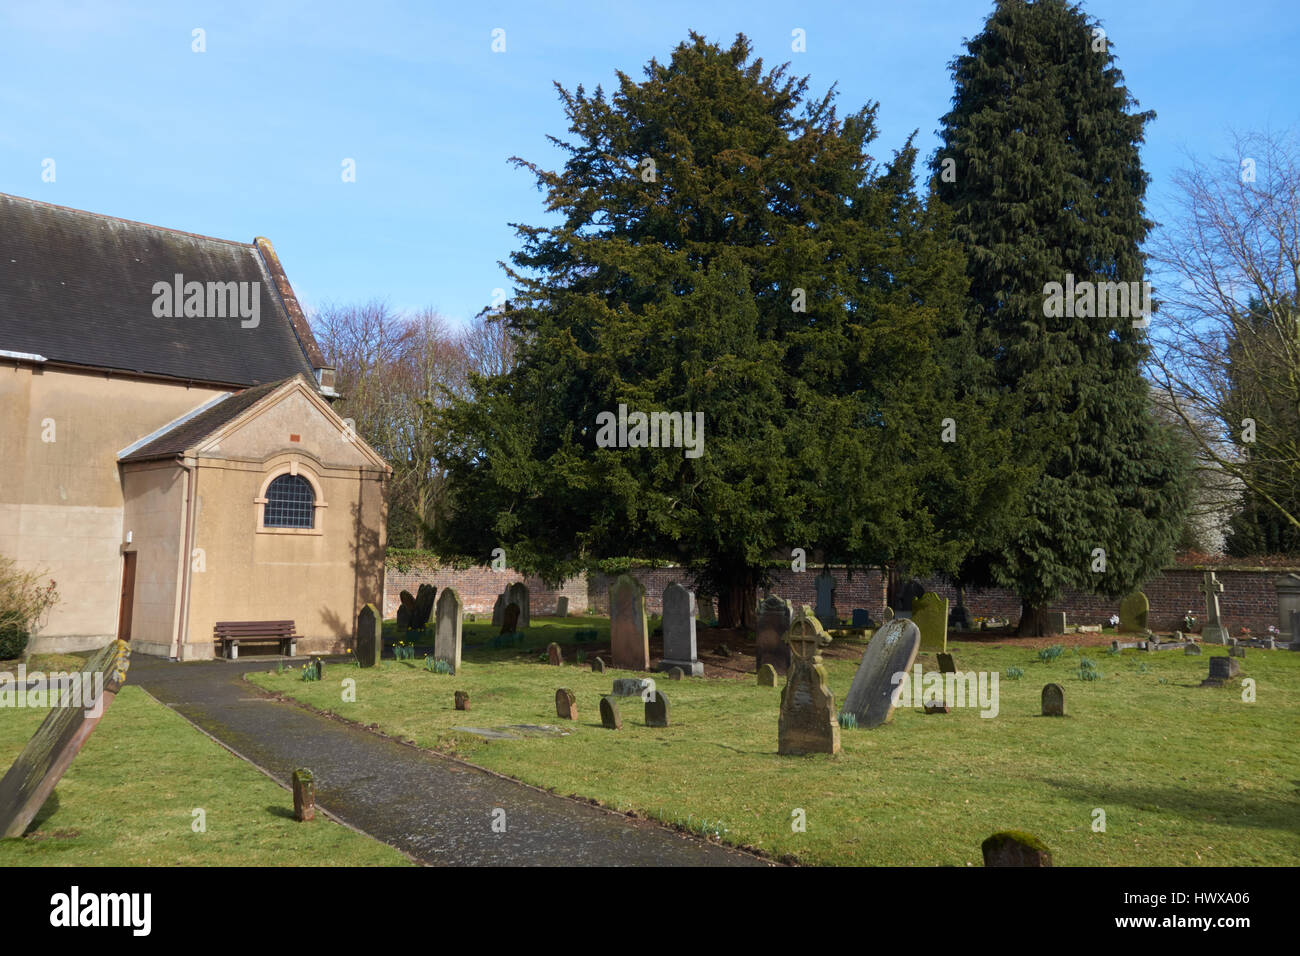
1046, 180
724, 246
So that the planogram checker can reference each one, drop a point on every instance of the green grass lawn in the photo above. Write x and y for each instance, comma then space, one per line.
128, 800
1186, 775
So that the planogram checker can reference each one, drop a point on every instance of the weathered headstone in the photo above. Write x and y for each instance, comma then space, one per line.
499, 611
1222, 669
861, 617
826, 611
935, 707
554, 656
946, 664
1133, 612
33, 775
424, 598
767, 676
403, 619
304, 795
370, 636
656, 709
679, 631
1012, 848
462, 700
629, 634
892, 651
1237, 651
630, 686
566, 704
610, 718
1053, 701
510, 619
1192, 650
808, 723
407, 600
597, 665
1214, 632
676, 673
930, 612
887, 614
774, 617
518, 594
562, 606
447, 636
1288, 606
1055, 622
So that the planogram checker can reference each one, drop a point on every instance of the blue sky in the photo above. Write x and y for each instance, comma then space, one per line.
249, 137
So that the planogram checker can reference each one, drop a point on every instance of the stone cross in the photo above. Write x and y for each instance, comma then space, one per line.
1213, 632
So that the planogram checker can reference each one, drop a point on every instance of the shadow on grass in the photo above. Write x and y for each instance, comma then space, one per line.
283, 813
1225, 807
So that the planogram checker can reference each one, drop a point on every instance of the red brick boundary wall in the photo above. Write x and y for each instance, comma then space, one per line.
1249, 597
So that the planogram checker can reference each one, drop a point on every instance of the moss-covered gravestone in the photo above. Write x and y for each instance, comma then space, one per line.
946, 664
462, 700
554, 656
1133, 613
32, 777
930, 613
304, 796
808, 723
767, 676
1013, 848
370, 636
597, 665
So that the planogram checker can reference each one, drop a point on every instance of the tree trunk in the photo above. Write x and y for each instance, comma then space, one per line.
1033, 620
737, 601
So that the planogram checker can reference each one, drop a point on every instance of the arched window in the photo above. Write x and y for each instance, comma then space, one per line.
290, 503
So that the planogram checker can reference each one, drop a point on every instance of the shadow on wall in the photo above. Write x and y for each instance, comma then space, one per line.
367, 559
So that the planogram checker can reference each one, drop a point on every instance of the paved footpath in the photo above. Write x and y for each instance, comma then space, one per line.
436, 809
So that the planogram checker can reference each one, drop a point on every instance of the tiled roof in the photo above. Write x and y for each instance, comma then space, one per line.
190, 431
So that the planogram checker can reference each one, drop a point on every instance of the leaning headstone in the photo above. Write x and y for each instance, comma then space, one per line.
510, 619
554, 656
861, 617
1053, 701
424, 599
566, 704
304, 795
767, 676
610, 718
597, 665
930, 612
807, 723
562, 606
656, 709
630, 686
32, 777
946, 664
407, 600
1012, 848
447, 636
499, 611
370, 636
774, 617
1055, 622
892, 651
518, 594
826, 611
679, 631
1133, 612
629, 634
1214, 632
462, 700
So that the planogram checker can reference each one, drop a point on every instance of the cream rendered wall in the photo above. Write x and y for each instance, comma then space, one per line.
154, 514
61, 500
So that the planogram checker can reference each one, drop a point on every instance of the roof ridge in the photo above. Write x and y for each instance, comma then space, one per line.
129, 222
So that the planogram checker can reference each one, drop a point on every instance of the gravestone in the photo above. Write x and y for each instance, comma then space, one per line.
959, 618
1214, 632
424, 599
1012, 848
447, 636
462, 700
370, 636
767, 676
1055, 622
510, 620
304, 795
946, 664
37, 770
407, 600
656, 709
807, 723
554, 656
1133, 612
908, 592
1192, 650
562, 606
826, 611
518, 594
930, 613
887, 614
499, 611
1053, 701
403, 620
774, 617
1295, 630
1288, 605
629, 634
861, 617
1237, 651
1222, 669
676, 673
892, 651
566, 704
597, 665
630, 686
610, 718
937, 707
679, 631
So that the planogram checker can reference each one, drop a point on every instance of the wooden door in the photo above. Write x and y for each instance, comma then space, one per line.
128, 596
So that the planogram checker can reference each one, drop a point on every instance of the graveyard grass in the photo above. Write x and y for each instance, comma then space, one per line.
1186, 775
128, 799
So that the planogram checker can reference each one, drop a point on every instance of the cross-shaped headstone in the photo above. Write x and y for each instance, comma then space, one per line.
806, 636
1212, 588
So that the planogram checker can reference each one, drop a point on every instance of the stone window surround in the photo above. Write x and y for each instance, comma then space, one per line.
296, 468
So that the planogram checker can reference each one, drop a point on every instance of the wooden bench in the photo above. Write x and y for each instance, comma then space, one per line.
230, 634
